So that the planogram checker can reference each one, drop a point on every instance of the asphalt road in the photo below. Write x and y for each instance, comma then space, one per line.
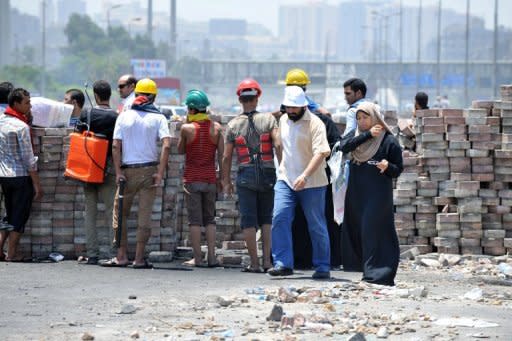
62, 301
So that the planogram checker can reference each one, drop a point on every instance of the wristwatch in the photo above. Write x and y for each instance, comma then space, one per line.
306, 178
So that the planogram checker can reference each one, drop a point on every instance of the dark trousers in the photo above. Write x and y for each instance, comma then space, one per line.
302, 249
18, 193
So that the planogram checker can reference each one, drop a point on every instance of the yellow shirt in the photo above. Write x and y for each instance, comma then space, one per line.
300, 141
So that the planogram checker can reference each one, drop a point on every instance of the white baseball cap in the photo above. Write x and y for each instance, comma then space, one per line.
294, 96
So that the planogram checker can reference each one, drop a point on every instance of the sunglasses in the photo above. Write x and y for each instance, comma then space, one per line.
121, 86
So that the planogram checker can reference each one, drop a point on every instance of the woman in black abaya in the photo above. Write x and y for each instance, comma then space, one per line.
369, 240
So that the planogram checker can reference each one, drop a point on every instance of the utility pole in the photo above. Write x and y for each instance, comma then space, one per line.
439, 48
43, 48
466, 58
401, 51
326, 61
495, 52
386, 64
150, 20
418, 41
172, 34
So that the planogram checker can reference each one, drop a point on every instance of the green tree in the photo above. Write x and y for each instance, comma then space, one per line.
29, 77
93, 54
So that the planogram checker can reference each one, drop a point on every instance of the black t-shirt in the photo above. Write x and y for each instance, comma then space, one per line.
103, 121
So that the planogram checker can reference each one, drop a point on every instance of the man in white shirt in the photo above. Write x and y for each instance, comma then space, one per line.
301, 179
137, 161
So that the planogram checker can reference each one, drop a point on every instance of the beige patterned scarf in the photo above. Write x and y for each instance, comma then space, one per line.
367, 150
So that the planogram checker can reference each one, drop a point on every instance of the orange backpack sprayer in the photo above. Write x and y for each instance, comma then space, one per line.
87, 153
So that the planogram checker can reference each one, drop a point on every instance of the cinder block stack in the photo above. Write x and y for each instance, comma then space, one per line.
171, 207
65, 198
404, 196
169, 203
504, 162
497, 227
390, 118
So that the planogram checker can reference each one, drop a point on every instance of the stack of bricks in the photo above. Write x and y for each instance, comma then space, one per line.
454, 196
503, 169
227, 209
390, 118
50, 227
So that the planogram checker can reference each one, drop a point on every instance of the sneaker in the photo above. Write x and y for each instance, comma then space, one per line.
321, 275
280, 271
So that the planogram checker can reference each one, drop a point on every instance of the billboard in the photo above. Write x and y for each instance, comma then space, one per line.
169, 91
152, 68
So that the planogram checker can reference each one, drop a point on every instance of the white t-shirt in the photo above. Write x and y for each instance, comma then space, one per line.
139, 132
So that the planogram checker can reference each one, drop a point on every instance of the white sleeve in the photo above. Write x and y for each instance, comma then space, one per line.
351, 121
163, 130
118, 135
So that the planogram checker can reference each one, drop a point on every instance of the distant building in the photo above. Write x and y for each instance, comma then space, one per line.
65, 8
308, 30
5, 31
227, 27
25, 30
351, 19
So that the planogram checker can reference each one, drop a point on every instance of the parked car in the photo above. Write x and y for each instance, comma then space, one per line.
173, 112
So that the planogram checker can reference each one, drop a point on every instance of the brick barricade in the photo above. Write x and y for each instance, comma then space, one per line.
454, 196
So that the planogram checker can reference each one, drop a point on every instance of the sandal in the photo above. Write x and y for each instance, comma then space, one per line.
250, 269
113, 263
18, 260
145, 265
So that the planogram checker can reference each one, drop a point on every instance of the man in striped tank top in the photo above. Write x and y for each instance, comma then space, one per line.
200, 139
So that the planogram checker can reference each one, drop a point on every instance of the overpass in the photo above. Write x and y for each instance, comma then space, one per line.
220, 77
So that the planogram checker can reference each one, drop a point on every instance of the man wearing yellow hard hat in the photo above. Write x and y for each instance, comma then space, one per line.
300, 78
138, 164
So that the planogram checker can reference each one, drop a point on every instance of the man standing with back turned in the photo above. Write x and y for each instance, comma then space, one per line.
200, 140
252, 135
101, 120
136, 161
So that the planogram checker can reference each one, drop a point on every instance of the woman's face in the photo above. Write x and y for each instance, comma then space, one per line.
364, 121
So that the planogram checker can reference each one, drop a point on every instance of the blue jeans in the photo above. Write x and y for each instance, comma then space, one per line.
313, 202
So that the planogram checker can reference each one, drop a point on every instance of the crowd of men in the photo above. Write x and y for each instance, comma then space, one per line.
282, 180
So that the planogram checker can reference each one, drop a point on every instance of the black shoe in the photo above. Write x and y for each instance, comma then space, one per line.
321, 275
280, 271
92, 261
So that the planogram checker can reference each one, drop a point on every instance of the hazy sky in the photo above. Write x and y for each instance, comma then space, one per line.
266, 11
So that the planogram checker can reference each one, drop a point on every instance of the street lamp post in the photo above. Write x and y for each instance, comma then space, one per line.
43, 48
418, 53
466, 57
439, 9
132, 20
108, 15
384, 19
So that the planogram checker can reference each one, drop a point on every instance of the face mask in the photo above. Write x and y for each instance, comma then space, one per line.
296, 117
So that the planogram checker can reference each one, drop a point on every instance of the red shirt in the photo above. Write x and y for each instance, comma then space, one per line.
200, 156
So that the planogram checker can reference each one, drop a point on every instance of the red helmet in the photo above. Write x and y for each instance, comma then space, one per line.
247, 85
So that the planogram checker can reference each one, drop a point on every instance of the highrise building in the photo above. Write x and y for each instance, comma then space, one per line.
65, 8
309, 30
5, 32
352, 38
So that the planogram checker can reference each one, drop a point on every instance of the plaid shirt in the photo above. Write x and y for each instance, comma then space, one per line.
16, 154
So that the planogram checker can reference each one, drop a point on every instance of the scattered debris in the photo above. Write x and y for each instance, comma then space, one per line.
276, 314
128, 309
